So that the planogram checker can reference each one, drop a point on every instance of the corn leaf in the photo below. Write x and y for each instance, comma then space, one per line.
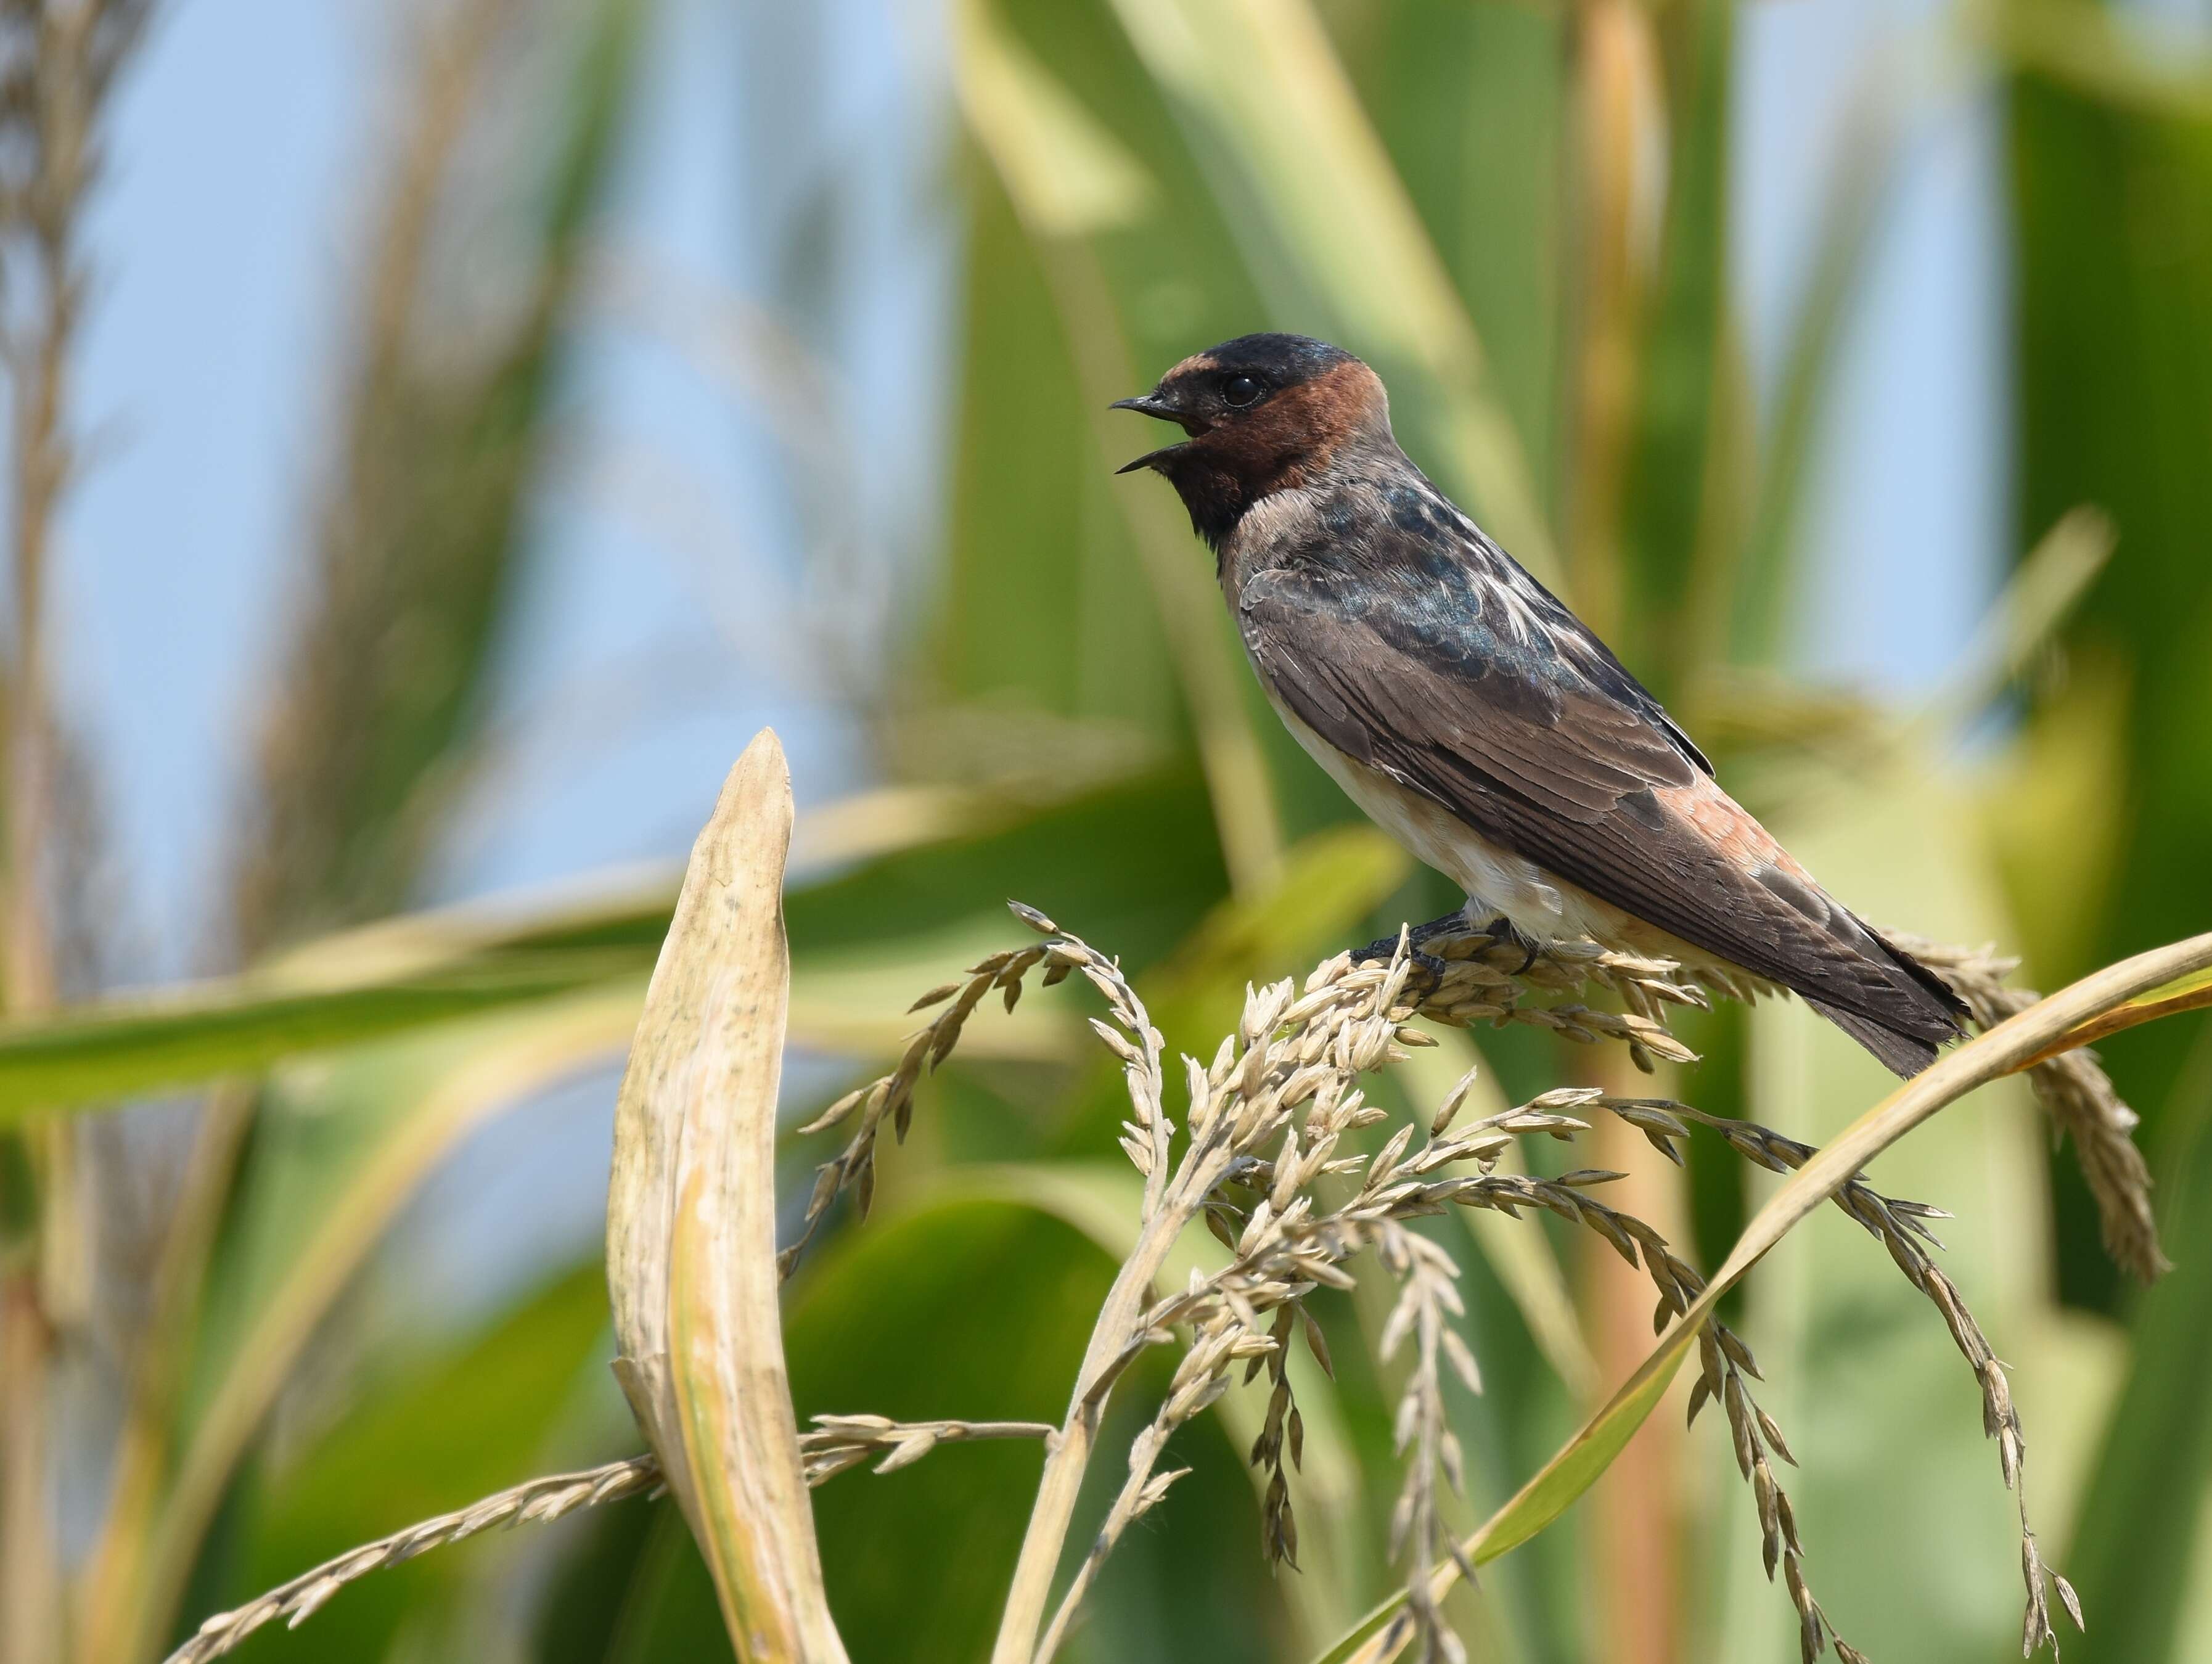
421, 971
342, 1148
691, 1262
437, 1434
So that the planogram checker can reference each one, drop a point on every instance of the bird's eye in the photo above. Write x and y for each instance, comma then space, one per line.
1240, 390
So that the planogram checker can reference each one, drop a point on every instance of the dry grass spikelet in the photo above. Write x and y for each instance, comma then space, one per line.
296, 1601
2075, 1093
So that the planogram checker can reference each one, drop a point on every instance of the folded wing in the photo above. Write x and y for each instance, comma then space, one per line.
1445, 666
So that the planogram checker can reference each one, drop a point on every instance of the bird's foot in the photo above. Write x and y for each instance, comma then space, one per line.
1502, 932
1429, 970
1415, 937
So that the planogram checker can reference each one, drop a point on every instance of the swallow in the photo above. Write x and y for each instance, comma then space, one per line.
1479, 721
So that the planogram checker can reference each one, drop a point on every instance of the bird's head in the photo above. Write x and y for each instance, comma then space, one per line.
1263, 413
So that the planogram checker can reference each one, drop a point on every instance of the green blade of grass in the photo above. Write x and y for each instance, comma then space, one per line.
2138, 1541
240, 1025
1672, 473
2184, 993
421, 971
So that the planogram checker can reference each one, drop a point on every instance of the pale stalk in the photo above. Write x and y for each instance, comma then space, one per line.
1621, 138
1239, 785
63, 99
1069, 1455
1059, 220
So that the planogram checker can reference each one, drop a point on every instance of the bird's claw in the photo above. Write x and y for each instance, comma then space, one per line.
1502, 931
1427, 971
1385, 948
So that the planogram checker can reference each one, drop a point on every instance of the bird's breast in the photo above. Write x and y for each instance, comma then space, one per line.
1493, 877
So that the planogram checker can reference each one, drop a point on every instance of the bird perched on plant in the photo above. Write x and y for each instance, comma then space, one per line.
1478, 720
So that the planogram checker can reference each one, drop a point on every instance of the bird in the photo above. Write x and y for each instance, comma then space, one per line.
1478, 720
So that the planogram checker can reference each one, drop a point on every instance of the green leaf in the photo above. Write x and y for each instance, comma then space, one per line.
246, 1024
2186, 993
340, 1150
632, 1590
2138, 1547
1474, 103
1673, 466
1068, 172
2114, 380
1139, 853
1080, 627
1139, 857
2087, 50
1330, 883
967, 1307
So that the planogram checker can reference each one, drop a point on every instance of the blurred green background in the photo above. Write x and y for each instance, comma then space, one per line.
442, 433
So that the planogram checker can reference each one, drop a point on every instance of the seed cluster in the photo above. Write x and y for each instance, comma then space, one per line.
547, 1498
1901, 1228
2076, 1094
1270, 1117
835, 1443
1272, 1162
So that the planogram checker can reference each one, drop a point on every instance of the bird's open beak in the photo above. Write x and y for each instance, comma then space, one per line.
1152, 405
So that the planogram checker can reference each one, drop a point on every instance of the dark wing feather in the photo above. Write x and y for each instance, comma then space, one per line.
1500, 706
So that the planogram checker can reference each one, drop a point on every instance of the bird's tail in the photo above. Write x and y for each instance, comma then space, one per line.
1904, 1052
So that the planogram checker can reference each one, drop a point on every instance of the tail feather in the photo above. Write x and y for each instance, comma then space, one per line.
1945, 995
1904, 1052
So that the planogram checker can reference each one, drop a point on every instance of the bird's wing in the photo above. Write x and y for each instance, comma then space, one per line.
1479, 691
